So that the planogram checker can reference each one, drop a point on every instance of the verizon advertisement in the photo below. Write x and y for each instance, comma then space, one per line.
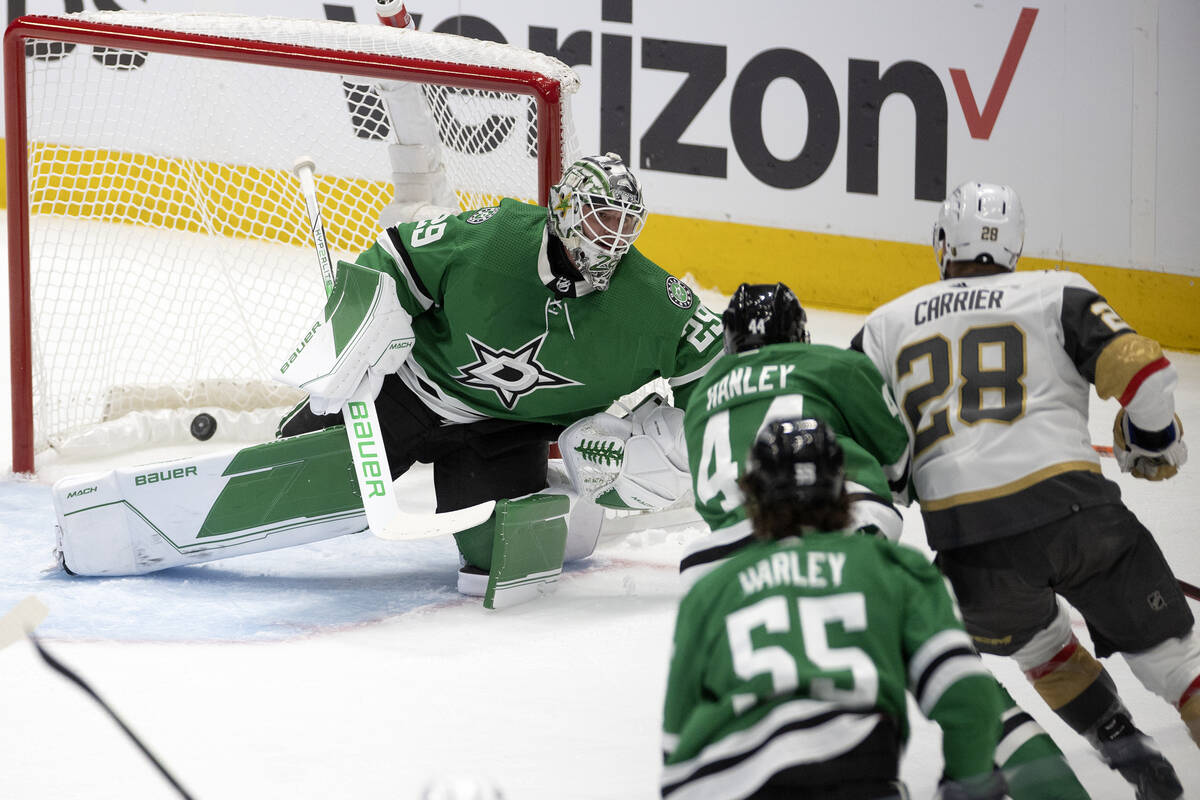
855, 118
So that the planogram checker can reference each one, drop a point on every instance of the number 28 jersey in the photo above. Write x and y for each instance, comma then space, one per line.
991, 374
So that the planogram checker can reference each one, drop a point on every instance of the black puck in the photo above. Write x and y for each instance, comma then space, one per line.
204, 426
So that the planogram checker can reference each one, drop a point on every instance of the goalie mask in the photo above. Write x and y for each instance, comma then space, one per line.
795, 461
980, 222
761, 314
597, 212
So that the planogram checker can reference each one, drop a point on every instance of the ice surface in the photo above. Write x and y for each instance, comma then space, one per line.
352, 669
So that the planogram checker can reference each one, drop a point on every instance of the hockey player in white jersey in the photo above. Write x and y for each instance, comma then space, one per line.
991, 368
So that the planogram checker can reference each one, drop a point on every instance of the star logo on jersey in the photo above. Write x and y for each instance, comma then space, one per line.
678, 292
511, 374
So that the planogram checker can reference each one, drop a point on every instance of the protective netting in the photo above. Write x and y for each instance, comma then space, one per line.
170, 259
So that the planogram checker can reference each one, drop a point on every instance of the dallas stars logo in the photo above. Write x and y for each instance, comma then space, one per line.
511, 374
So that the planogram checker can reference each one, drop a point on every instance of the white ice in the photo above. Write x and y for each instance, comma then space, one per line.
352, 669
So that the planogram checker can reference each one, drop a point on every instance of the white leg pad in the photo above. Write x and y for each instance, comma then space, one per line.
584, 519
135, 520
1047, 642
1168, 669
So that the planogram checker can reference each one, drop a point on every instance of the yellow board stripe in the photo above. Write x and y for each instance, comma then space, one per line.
846, 273
1008, 488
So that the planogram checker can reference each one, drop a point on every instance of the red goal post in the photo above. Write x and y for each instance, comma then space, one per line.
158, 260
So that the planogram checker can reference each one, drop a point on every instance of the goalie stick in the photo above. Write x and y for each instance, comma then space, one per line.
384, 517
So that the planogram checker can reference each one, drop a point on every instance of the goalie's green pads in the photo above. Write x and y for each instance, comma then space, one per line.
364, 331
136, 520
638, 461
517, 554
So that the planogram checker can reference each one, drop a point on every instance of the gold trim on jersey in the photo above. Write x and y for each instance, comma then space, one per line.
1122, 359
1009, 488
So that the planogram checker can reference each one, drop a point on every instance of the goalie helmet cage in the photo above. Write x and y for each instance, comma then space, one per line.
158, 249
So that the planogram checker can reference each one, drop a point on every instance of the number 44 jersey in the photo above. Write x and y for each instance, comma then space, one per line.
991, 374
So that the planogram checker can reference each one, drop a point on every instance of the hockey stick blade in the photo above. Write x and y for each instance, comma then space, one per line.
21, 621
403, 526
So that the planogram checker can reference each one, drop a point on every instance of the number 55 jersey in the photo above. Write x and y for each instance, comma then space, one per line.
790, 664
991, 374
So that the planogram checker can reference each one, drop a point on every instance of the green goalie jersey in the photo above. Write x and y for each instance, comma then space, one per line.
504, 331
793, 653
744, 391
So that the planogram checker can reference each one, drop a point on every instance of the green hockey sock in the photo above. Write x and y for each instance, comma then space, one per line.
1032, 763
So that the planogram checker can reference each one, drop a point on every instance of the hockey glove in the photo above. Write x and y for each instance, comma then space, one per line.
364, 332
1153, 455
992, 786
636, 461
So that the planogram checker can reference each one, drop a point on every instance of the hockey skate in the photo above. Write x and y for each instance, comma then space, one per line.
1127, 750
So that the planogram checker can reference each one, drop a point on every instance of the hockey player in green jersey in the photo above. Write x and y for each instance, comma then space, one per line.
992, 368
771, 371
484, 336
523, 320
791, 659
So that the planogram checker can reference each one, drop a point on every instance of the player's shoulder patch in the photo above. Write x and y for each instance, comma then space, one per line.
679, 293
482, 215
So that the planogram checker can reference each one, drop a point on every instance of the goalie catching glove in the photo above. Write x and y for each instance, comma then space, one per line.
1153, 455
364, 332
637, 461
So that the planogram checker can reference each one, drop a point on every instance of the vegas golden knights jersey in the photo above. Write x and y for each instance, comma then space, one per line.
992, 376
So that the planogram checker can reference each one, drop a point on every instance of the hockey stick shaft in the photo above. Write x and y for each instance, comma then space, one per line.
361, 419
74, 678
365, 434
1190, 590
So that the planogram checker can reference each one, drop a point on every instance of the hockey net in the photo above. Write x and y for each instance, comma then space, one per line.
160, 260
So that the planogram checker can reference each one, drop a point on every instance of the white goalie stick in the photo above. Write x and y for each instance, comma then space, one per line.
385, 519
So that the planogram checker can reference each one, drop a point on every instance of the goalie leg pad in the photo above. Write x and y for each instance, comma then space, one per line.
135, 520
527, 552
516, 555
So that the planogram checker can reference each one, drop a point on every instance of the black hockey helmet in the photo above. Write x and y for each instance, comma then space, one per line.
796, 461
760, 314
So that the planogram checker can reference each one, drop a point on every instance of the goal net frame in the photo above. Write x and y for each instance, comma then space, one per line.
121, 31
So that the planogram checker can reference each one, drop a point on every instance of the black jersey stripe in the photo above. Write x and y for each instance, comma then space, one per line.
1014, 721
728, 762
410, 271
927, 674
718, 553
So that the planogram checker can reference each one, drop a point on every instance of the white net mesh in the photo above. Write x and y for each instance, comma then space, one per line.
170, 264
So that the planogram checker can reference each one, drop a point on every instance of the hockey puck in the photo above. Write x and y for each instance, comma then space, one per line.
204, 426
